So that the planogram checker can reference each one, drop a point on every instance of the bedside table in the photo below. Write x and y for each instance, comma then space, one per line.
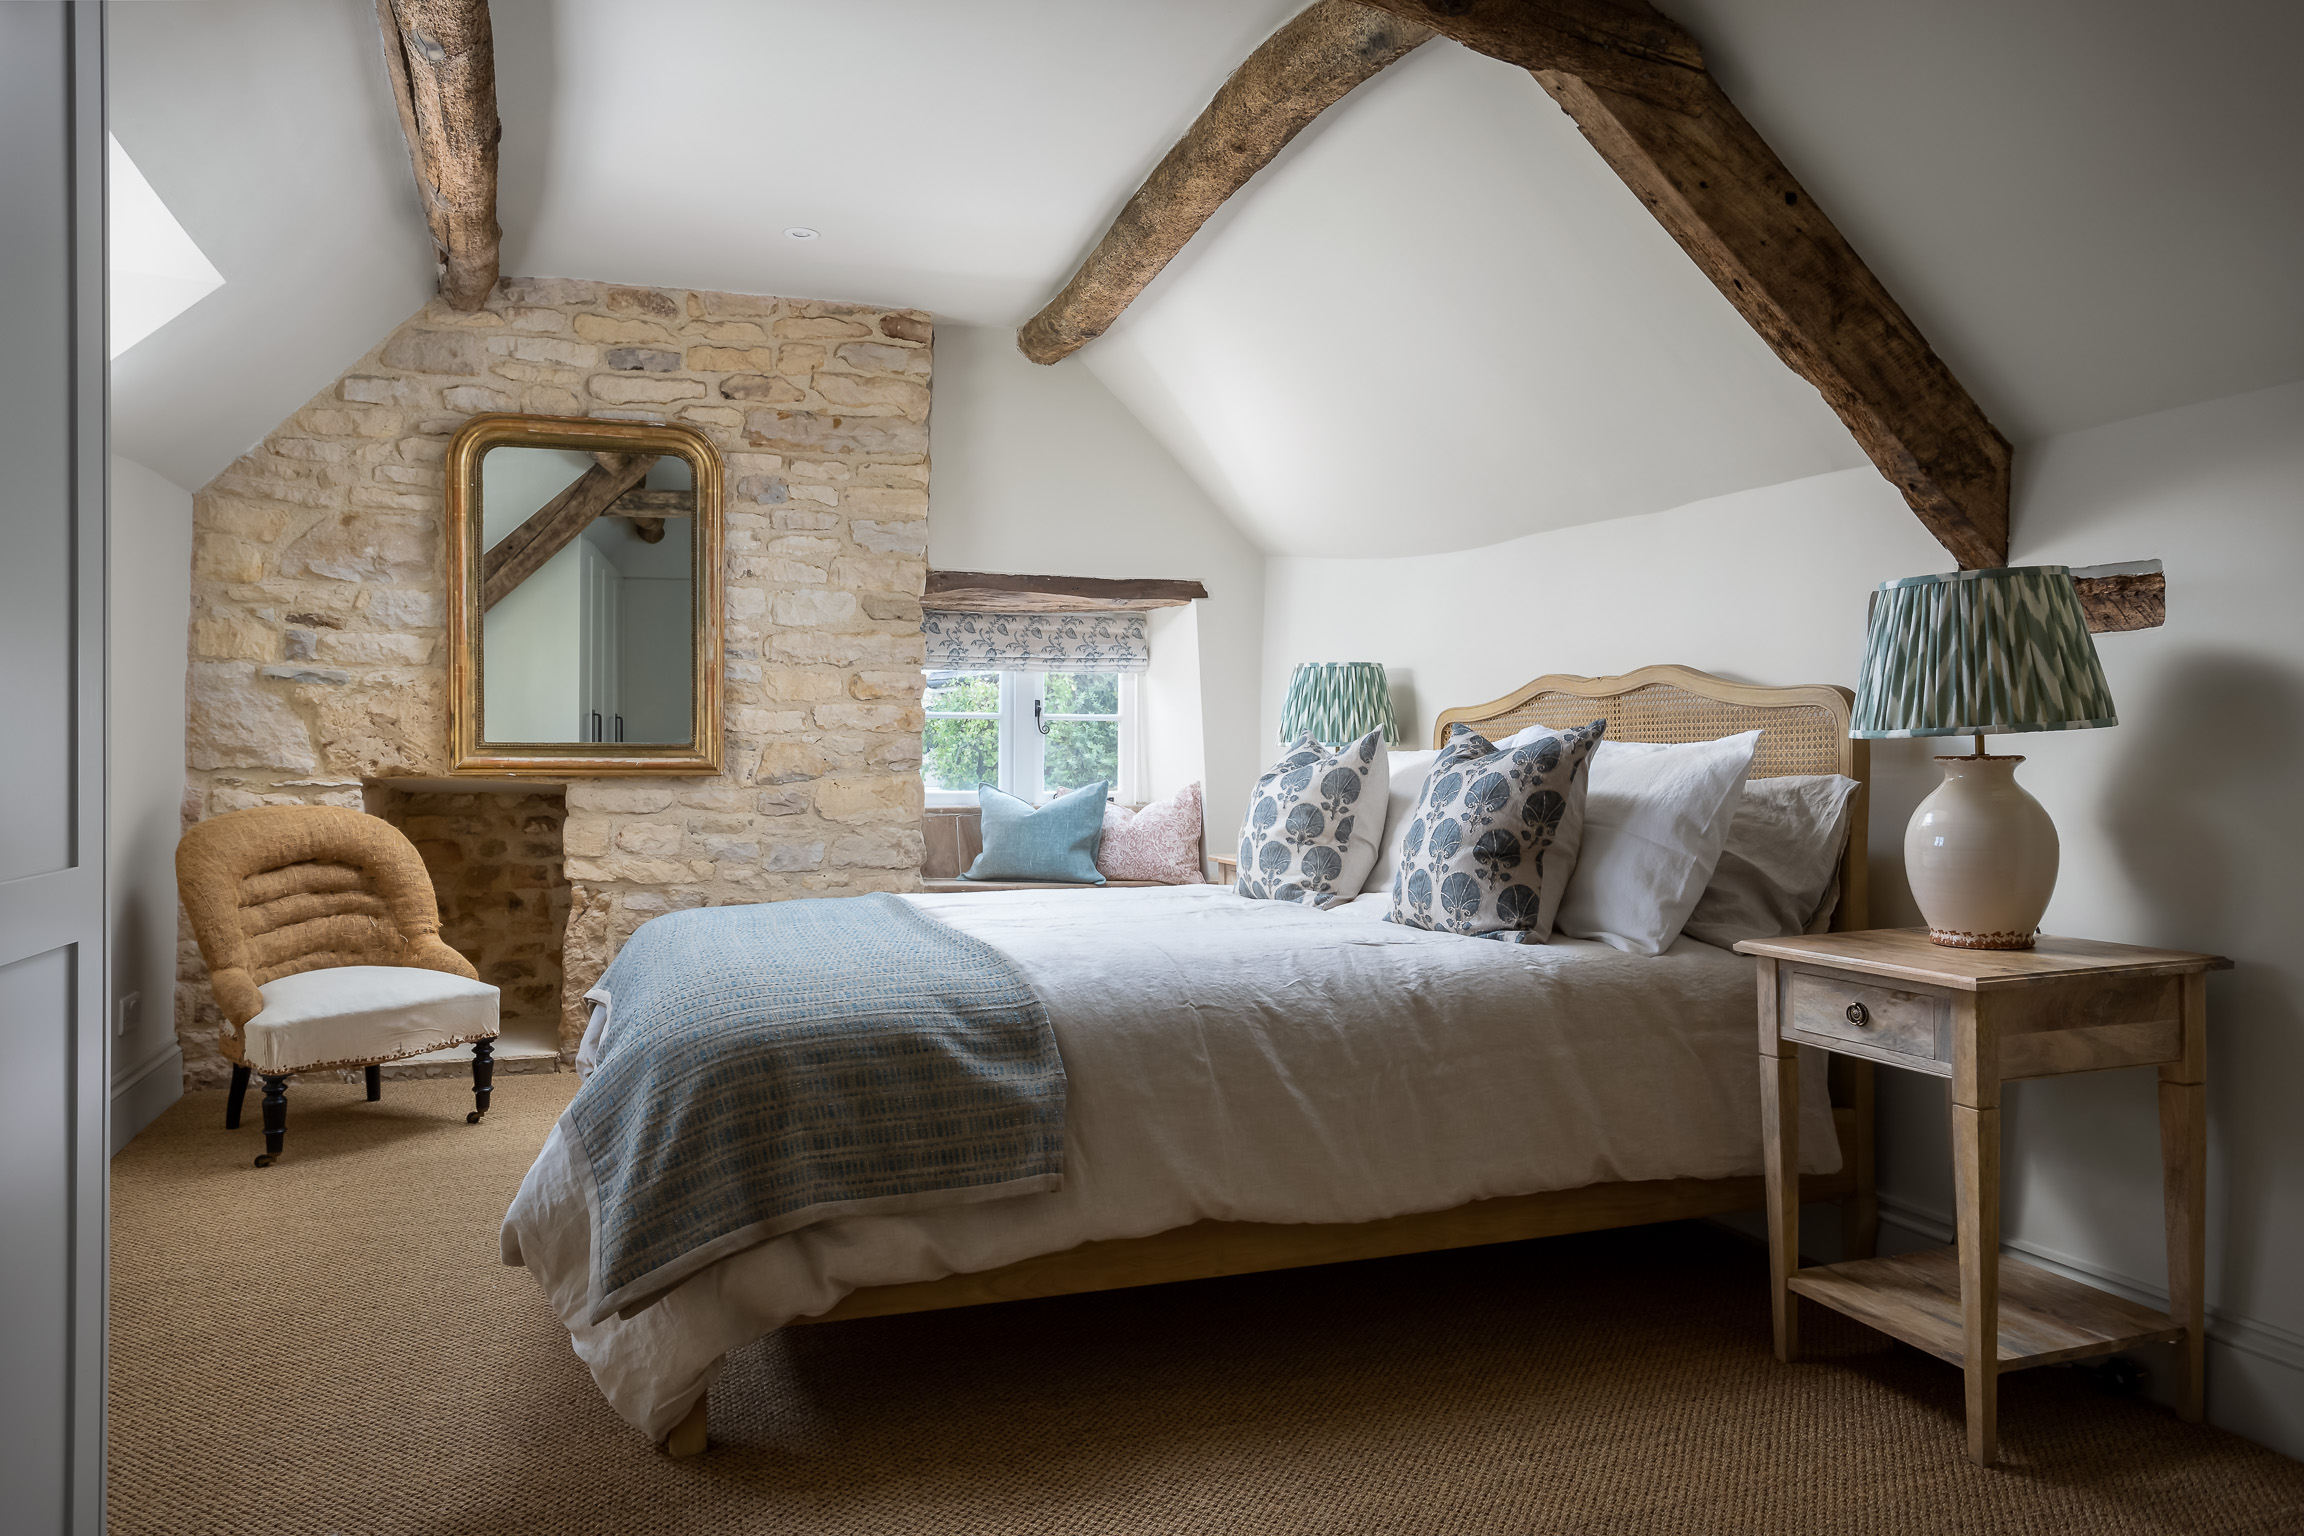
1227, 871
1981, 1017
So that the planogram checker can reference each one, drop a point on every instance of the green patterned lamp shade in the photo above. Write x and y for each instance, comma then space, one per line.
1337, 701
1980, 653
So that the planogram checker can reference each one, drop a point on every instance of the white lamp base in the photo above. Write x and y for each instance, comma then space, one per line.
1981, 856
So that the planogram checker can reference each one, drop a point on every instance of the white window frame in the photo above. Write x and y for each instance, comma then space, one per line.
1023, 750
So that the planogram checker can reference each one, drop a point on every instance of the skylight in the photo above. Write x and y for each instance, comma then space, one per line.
157, 272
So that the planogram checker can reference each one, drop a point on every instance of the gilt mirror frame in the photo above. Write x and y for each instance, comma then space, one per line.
469, 751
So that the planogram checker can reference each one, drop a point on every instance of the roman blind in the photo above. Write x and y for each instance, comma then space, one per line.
1111, 640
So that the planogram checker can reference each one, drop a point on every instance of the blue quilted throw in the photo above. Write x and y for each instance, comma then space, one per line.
766, 1067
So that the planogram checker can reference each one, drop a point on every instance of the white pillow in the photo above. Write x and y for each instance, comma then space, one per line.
1781, 859
1409, 771
1655, 820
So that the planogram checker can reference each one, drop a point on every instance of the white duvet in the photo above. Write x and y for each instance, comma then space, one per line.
1247, 1061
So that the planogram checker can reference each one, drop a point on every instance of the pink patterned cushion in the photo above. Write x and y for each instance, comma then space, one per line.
1160, 842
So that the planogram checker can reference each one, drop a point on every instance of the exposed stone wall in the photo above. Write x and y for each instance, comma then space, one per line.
495, 861
318, 594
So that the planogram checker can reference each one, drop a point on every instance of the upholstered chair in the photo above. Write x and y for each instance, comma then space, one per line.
322, 940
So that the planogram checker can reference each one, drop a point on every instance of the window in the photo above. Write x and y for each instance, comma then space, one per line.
1033, 734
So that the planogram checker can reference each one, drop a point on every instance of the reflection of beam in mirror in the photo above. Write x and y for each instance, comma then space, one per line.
523, 551
648, 509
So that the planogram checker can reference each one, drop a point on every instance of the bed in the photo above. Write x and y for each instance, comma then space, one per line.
1260, 1085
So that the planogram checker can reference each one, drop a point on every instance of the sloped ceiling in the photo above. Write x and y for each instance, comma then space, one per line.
1436, 322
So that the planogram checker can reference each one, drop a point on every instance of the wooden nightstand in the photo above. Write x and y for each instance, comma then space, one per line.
1980, 1017
1227, 871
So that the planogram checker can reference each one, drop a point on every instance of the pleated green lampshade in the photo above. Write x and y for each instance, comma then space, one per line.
1980, 652
1337, 701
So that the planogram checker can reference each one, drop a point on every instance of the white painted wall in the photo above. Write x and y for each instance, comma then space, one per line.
1041, 471
150, 615
2182, 827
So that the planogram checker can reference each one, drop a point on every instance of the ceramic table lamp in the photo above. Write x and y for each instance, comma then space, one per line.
1979, 653
1334, 702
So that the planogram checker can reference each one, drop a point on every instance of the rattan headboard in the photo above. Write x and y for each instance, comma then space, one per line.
1802, 730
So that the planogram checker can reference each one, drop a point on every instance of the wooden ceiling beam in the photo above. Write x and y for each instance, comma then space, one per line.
999, 592
1635, 83
441, 58
1298, 73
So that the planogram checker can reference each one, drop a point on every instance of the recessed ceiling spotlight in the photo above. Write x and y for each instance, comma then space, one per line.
799, 232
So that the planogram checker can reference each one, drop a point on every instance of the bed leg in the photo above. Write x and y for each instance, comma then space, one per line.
1860, 1212
687, 1437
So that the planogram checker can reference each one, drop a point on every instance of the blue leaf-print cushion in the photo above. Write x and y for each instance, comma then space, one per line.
1301, 840
1492, 842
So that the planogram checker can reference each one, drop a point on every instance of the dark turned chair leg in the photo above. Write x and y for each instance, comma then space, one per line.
239, 1096
275, 1118
375, 1083
483, 1078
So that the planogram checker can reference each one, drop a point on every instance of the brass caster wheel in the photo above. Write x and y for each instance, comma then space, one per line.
263, 1159
472, 1118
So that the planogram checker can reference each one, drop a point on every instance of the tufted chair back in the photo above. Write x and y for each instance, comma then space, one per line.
286, 888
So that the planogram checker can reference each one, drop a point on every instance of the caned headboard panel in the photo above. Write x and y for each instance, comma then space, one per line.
1802, 730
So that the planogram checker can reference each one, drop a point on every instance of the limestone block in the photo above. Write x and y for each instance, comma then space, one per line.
873, 395
218, 558
304, 672
388, 547
822, 495
232, 637
652, 302
881, 573
798, 359
736, 333
879, 357
731, 359
781, 802
747, 603
804, 519
550, 400
401, 608
555, 291
473, 398
732, 306
767, 722
822, 469
388, 498
912, 326
717, 797
869, 717
725, 417
389, 725
807, 432
886, 848
385, 650
908, 538
800, 547
522, 317
546, 374
800, 609
624, 332
373, 389
631, 389
906, 685
886, 503
642, 359
436, 352
788, 762
785, 857
235, 722
891, 606
546, 349
862, 797
648, 837
815, 647
585, 836
754, 386
819, 328
619, 797
721, 846
810, 683
768, 490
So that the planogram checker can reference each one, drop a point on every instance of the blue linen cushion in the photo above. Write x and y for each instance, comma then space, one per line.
1056, 841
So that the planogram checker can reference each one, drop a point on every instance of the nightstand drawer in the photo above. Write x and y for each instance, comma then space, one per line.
1828, 1008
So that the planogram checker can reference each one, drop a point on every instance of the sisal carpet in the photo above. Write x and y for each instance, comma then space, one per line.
330, 1346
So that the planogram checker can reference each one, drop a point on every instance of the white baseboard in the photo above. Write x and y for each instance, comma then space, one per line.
139, 1098
2255, 1369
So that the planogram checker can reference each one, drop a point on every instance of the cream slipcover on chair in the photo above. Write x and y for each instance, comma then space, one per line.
322, 940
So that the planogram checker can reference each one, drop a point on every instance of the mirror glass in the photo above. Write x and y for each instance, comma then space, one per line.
588, 621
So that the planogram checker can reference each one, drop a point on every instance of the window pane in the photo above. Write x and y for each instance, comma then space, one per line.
1081, 752
1083, 693
962, 693
960, 754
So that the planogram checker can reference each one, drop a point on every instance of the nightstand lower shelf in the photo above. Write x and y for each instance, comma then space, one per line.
2044, 1317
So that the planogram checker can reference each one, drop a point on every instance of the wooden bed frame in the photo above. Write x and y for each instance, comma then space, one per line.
1803, 730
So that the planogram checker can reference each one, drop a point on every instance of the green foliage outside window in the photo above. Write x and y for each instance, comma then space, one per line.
1081, 751
960, 754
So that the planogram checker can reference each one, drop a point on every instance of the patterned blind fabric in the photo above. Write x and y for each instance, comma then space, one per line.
1980, 651
1035, 642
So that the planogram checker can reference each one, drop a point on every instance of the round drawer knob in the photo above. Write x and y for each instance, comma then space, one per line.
1859, 1014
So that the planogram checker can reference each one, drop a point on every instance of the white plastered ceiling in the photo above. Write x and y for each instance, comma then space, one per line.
1437, 322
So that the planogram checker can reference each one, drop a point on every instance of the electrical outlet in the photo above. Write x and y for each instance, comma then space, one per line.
124, 1011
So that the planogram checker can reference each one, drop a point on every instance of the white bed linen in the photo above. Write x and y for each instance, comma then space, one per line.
1247, 1061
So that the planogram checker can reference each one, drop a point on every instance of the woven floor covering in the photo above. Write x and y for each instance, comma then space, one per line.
330, 1346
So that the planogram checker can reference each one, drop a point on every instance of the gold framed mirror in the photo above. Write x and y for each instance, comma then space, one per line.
584, 622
